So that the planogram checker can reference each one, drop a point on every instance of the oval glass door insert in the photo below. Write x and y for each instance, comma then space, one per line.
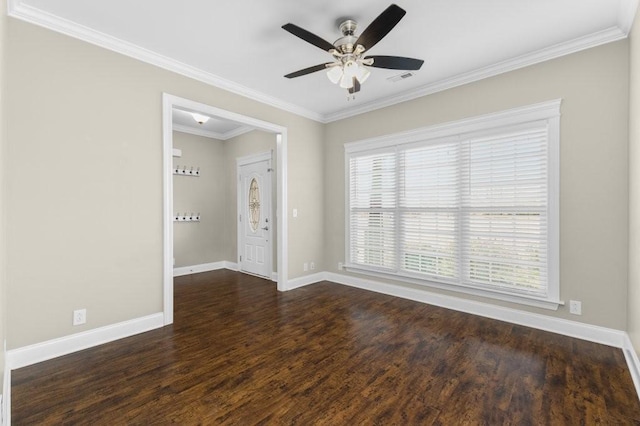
254, 205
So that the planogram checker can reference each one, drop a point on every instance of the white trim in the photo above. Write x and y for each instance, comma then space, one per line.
592, 333
19, 10
36, 16
32, 354
539, 111
196, 269
627, 14
306, 280
592, 40
210, 134
633, 362
251, 159
236, 132
282, 180
168, 103
6, 394
551, 304
274, 277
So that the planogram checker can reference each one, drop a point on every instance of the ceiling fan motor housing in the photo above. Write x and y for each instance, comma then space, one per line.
346, 43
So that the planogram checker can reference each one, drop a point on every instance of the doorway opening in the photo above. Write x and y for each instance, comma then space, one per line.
279, 222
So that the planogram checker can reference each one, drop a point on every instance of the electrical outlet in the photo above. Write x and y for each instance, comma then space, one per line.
312, 266
305, 266
575, 307
340, 266
79, 316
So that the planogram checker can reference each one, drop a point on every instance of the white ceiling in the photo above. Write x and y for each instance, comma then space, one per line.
239, 45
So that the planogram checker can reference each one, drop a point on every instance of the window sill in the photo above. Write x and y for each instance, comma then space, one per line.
491, 294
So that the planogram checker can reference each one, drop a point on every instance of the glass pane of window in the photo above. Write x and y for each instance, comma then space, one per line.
505, 250
430, 243
373, 239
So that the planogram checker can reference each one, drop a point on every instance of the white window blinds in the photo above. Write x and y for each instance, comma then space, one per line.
468, 210
373, 215
504, 211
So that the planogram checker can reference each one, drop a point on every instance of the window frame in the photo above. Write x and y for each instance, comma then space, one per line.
548, 112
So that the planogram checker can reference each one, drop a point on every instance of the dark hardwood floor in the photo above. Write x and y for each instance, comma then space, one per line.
241, 353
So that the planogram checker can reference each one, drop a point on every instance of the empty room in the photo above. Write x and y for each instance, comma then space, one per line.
332, 213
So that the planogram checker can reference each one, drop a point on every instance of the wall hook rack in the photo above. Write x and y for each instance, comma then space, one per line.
186, 217
186, 170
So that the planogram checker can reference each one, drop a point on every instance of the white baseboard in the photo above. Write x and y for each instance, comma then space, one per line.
305, 280
204, 267
32, 354
6, 394
195, 269
593, 333
274, 277
632, 361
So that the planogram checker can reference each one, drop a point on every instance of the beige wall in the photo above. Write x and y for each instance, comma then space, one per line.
3, 141
84, 187
254, 142
633, 322
195, 243
594, 133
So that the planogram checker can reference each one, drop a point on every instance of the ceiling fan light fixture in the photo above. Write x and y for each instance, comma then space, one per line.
335, 74
200, 119
363, 74
346, 82
351, 69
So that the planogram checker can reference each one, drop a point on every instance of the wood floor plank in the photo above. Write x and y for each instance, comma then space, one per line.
240, 352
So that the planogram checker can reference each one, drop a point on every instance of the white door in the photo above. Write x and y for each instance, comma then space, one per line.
254, 218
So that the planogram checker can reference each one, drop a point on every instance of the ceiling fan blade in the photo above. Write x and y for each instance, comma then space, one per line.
308, 37
381, 26
356, 86
309, 70
396, 62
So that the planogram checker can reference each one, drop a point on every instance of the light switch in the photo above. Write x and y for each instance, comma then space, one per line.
295, 212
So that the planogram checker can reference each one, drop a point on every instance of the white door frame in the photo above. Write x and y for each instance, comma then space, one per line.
168, 103
243, 161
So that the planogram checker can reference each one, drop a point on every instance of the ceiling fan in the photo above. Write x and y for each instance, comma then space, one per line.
349, 67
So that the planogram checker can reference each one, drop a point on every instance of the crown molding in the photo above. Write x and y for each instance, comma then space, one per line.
236, 132
626, 16
596, 39
210, 134
18, 10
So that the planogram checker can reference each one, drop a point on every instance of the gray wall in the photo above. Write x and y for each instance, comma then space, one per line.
593, 185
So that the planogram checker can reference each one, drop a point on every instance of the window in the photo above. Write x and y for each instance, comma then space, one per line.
469, 206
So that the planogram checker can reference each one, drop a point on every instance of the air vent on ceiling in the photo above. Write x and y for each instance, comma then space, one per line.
400, 77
